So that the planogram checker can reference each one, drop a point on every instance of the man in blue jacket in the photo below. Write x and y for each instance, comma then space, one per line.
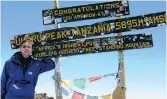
20, 73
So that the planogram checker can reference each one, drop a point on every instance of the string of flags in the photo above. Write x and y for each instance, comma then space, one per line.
72, 94
80, 83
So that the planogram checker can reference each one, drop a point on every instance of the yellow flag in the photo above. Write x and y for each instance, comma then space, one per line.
66, 83
107, 96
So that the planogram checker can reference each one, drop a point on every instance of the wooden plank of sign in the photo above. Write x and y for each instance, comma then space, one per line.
85, 12
96, 45
97, 29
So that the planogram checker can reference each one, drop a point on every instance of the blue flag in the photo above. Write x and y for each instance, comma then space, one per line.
63, 91
112, 74
92, 97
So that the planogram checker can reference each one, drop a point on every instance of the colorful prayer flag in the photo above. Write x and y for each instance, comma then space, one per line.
107, 96
92, 97
112, 74
77, 95
95, 78
80, 83
63, 91
66, 83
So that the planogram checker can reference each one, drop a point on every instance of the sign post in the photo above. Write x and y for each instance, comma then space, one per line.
57, 61
121, 73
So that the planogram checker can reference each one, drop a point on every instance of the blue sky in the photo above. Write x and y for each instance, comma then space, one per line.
145, 68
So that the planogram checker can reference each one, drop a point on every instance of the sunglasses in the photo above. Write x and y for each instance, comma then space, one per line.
24, 46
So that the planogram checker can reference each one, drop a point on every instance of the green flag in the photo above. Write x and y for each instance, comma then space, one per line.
80, 83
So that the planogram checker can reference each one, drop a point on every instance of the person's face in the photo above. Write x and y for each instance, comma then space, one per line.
26, 49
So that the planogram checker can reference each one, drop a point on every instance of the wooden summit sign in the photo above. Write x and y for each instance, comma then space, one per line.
96, 45
84, 12
102, 28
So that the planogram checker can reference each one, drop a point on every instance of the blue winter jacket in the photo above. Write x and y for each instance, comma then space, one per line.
17, 85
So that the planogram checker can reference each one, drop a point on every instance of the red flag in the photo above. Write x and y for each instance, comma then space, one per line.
77, 95
95, 78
